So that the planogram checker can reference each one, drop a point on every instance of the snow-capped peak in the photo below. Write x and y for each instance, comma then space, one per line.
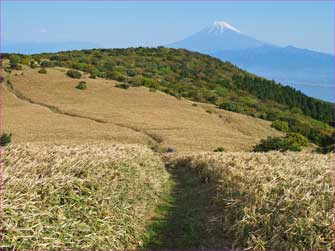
221, 26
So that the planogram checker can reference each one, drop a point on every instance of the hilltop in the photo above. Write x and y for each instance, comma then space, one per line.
48, 108
180, 74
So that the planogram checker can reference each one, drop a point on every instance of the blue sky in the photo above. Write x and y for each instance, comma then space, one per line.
123, 24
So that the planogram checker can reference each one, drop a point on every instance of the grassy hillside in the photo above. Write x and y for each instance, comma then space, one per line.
200, 78
79, 197
34, 123
47, 107
71, 182
268, 201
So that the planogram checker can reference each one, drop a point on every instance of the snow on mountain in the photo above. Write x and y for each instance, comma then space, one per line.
220, 26
217, 37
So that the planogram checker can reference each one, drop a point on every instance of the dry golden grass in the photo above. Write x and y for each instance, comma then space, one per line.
34, 123
79, 197
269, 201
174, 122
100, 195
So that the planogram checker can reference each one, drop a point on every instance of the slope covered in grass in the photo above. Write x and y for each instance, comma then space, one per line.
79, 197
135, 115
34, 123
269, 201
199, 78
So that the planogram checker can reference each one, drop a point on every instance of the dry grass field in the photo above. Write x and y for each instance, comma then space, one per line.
79, 197
35, 123
109, 196
269, 201
79, 173
135, 115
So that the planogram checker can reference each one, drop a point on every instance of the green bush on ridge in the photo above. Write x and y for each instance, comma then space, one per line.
47, 63
73, 74
122, 85
42, 71
14, 61
280, 125
82, 85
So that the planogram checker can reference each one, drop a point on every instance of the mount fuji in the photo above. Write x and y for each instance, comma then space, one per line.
308, 71
217, 37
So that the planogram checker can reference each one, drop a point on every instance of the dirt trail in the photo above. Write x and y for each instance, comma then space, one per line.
184, 219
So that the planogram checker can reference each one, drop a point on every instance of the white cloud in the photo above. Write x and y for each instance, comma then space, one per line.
41, 30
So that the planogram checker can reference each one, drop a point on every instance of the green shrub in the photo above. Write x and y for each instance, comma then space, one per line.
131, 73
94, 73
46, 63
122, 86
327, 143
16, 67
137, 80
150, 83
82, 85
231, 106
73, 74
42, 71
292, 142
25, 59
174, 93
271, 116
219, 149
212, 99
5, 139
280, 125
115, 75
296, 110
326, 149
294, 138
33, 64
15, 61
269, 144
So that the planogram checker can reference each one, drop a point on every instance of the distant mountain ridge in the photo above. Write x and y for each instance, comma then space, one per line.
308, 71
311, 72
41, 47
